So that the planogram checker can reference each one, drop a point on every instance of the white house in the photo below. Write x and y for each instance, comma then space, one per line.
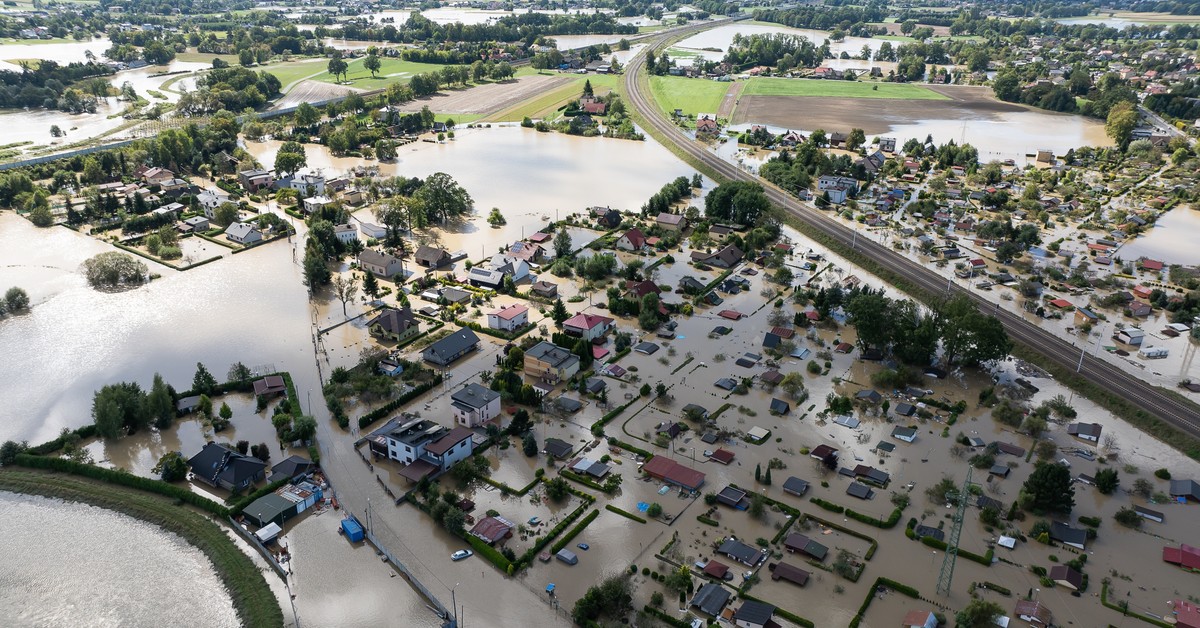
513, 267
345, 233
305, 184
243, 233
412, 441
632, 240
587, 326
316, 203
509, 318
210, 200
381, 264
475, 405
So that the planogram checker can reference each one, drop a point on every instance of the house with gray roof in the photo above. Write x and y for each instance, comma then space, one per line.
739, 551
711, 599
222, 466
445, 351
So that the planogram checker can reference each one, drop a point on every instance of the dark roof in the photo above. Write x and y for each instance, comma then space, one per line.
726, 383
271, 384
1064, 533
1009, 448
740, 552
905, 409
871, 474
868, 395
568, 404
445, 443
800, 543
716, 569
431, 254
557, 448
1066, 574
923, 531
292, 467
492, 529
219, 463
1000, 470
394, 321
861, 491
984, 501
453, 345
754, 612
731, 496
821, 452
779, 406
790, 573
771, 341
795, 485
474, 396
711, 598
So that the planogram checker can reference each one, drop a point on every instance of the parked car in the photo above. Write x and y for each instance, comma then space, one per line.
583, 546
461, 555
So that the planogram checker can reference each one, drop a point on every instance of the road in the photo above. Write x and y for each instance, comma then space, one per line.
1174, 411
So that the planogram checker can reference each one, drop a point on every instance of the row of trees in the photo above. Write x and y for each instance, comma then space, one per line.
912, 334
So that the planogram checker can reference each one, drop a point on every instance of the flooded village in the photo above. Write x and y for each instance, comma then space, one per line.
514, 370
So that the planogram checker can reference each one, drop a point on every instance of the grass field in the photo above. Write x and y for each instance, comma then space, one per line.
293, 71
256, 605
544, 105
691, 95
392, 71
838, 89
205, 57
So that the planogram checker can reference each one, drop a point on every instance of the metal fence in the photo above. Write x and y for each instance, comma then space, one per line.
416, 584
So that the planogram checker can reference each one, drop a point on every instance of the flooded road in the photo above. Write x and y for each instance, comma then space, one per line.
55, 583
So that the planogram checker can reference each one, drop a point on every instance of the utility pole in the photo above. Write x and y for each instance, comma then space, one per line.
947, 573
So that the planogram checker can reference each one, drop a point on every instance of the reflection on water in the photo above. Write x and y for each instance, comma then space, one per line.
1009, 135
56, 585
63, 53
1172, 239
722, 37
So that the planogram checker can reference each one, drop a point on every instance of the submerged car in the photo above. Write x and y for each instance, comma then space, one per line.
461, 554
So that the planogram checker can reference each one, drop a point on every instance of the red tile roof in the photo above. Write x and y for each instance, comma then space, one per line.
510, 312
723, 456
716, 569
666, 469
1060, 303
586, 321
732, 315
783, 332
1185, 556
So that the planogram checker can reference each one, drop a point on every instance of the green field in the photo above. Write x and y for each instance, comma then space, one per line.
546, 104
691, 95
392, 71
205, 57
838, 89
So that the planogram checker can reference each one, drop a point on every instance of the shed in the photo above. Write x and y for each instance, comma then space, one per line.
795, 486
1067, 577
723, 456
268, 533
999, 470
906, 434
779, 406
791, 573
1146, 513
734, 497
270, 508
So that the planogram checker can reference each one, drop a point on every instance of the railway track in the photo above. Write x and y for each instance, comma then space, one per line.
1170, 409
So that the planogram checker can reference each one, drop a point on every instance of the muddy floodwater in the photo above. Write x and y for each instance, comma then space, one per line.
56, 583
721, 38
1172, 239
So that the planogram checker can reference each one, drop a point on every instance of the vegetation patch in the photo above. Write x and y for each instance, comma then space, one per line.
838, 89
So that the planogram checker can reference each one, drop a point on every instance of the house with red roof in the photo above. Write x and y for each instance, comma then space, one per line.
632, 240
1151, 264
723, 456
1185, 614
1186, 556
1142, 293
1060, 304
509, 318
587, 326
671, 472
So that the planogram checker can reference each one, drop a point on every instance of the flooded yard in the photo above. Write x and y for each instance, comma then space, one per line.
1172, 239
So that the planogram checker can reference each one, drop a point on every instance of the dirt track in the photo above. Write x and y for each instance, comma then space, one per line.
488, 98
873, 116
312, 92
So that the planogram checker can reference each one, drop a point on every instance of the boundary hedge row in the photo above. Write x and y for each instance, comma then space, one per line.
624, 513
378, 413
881, 581
985, 560
830, 506
573, 532
666, 618
1128, 613
490, 553
886, 524
237, 505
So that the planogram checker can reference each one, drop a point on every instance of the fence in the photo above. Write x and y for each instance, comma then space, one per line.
416, 584
253, 540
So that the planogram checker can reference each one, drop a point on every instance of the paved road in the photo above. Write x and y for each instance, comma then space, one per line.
1180, 413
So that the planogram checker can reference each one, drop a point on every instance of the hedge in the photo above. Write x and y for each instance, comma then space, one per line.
588, 482
854, 533
886, 524
706, 521
573, 532
510, 490
831, 507
985, 560
624, 513
1129, 613
123, 479
541, 542
665, 618
373, 416
627, 447
52, 446
598, 426
489, 552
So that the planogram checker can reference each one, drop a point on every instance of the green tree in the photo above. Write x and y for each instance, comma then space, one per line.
40, 216
758, 472
978, 614
655, 510
385, 150
442, 198
238, 372
288, 162
1128, 517
1048, 489
159, 404
557, 489
16, 299
739, 202
306, 115
9, 451
1122, 120
370, 285
1107, 480
118, 409
345, 290
372, 63
225, 214
678, 580
203, 382
559, 313
337, 66
856, 139
562, 243
316, 271
529, 445
172, 467
870, 314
